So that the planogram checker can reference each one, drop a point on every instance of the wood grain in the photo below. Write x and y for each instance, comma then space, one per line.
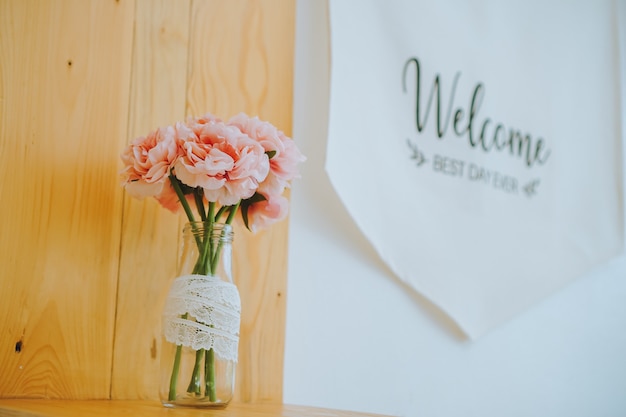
64, 76
241, 60
25, 408
149, 233
84, 270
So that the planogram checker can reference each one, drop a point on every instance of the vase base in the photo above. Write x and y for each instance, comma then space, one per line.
193, 403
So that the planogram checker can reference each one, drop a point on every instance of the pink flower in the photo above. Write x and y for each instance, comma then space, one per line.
267, 212
197, 123
169, 199
285, 156
147, 161
225, 162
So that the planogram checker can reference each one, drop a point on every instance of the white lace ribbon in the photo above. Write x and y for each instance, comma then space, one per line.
213, 315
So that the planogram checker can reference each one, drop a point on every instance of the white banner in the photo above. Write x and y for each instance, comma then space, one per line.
478, 144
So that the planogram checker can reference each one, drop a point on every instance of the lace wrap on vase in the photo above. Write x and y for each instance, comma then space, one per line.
213, 315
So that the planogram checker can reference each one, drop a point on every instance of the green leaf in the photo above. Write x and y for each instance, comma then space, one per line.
185, 188
245, 205
244, 215
257, 197
270, 154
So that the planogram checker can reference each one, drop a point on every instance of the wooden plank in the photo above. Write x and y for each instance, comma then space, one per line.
149, 233
241, 59
60, 85
64, 77
40, 408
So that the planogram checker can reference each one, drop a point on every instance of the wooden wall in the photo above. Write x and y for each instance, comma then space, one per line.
83, 268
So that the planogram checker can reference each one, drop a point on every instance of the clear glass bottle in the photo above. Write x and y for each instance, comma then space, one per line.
201, 320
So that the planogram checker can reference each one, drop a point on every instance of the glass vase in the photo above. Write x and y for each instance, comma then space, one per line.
201, 320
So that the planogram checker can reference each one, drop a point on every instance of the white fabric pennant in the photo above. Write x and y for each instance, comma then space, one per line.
478, 144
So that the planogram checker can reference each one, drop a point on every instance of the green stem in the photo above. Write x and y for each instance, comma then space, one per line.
220, 212
183, 201
205, 255
174, 378
195, 385
233, 211
229, 220
202, 265
197, 195
181, 197
209, 361
209, 373
211, 221
211, 213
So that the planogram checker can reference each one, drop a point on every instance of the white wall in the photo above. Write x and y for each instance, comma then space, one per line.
358, 340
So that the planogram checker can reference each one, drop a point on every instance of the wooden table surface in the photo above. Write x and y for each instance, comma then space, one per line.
73, 408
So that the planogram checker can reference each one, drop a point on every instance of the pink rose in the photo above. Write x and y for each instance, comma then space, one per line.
169, 199
267, 212
285, 156
147, 162
197, 123
225, 162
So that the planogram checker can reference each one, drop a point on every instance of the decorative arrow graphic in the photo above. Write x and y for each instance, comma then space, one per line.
531, 188
416, 155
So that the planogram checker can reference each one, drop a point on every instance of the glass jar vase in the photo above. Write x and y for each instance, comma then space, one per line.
201, 320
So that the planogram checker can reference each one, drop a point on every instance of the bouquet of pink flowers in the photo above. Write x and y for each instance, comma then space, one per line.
220, 167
